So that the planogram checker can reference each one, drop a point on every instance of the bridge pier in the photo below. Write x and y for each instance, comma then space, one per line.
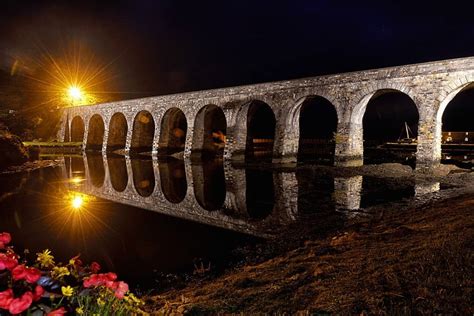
349, 145
428, 149
285, 150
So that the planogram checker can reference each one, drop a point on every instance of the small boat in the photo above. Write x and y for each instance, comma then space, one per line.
403, 141
407, 139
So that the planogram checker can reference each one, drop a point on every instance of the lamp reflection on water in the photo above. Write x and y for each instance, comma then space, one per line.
77, 180
78, 200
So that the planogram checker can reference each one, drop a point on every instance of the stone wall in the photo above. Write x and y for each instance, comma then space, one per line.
430, 85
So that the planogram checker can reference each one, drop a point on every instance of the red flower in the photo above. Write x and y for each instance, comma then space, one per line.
120, 289
6, 297
31, 275
39, 291
95, 267
57, 312
7, 261
19, 305
100, 279
5, 239
19, 272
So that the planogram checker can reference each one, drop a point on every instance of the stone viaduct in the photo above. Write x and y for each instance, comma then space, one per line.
270, 112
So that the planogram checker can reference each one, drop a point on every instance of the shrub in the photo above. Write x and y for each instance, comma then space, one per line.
12, 150
49, 288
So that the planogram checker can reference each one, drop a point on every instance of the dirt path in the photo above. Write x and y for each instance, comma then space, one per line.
404, 261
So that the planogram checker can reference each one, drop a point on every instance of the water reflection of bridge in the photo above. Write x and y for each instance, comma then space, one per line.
251, 201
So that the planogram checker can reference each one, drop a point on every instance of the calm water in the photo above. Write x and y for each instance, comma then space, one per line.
138, 217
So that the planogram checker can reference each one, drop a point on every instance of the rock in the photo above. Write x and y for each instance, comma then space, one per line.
178, 155
12, 150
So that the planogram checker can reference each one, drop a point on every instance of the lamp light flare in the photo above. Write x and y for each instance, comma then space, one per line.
77, 202
75, 93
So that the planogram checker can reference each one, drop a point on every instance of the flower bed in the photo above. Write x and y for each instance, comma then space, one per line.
48, 288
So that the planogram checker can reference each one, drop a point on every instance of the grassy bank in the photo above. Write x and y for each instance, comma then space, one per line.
417, 260
53, 144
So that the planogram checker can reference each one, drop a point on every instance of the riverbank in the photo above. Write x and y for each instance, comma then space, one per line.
31, 165
410, 259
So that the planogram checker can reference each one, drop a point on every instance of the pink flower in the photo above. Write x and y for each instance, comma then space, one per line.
6, 297
39, 291
95, 267
57, 312
19, 305
120, 289
5, 239
31, 275
7, 261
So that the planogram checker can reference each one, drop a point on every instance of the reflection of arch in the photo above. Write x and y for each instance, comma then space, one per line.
209, 131
260, 193
143, 132
143, 176
380, 117
314, 191
173, 180
95, 135
173, 132
118, 172
67, 164
316, 120
77, 167
117, 132
257, 121
209, 184
96, 169
77, 129
67, 136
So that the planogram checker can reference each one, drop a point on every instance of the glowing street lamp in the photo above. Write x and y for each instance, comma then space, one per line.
75, 93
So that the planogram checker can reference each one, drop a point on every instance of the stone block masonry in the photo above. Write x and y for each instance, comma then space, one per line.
430, 85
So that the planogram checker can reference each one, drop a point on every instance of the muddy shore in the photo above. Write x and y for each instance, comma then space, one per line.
409, 257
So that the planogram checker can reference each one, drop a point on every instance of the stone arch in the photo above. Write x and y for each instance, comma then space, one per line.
447, 97
173, 131
118, 128
143, 132
77, 129
256, 126
173, 180
210, 128
368, 137
143, 176
95, 134
314, 119
363, 98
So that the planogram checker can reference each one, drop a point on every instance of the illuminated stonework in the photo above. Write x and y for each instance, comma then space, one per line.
430, 85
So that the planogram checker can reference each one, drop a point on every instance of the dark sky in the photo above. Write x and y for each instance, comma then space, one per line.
172, 46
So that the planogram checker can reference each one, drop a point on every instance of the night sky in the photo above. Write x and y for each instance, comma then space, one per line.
150, 48
161, 47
